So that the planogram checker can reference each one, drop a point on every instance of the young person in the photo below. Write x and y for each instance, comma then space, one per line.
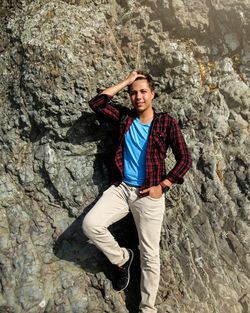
139, 181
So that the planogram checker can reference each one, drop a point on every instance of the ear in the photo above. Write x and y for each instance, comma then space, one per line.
152, 94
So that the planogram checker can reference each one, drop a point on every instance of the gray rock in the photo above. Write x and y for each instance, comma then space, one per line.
55, 152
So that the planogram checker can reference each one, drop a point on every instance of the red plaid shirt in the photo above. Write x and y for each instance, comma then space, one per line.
164, 133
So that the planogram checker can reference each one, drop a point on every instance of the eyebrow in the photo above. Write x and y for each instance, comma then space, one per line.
143, 89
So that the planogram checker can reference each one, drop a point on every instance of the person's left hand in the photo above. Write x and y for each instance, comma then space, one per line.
153, 192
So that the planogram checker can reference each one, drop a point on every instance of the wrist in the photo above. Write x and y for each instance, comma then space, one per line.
164, 187
127, 82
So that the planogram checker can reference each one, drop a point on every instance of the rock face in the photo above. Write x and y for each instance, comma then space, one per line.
55, 152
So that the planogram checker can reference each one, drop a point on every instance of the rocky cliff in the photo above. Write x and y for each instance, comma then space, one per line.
55, 152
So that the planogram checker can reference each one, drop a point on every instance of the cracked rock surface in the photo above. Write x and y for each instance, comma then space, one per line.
55, 153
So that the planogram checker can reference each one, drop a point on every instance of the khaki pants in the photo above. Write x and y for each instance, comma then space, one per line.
147, 212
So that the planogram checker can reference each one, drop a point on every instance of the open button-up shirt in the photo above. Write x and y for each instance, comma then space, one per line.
164, 133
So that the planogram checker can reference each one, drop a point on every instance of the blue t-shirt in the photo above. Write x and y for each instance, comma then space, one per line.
135, 147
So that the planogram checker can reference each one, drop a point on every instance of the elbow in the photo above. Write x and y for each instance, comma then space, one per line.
189, 161
91, 103
185, 160
185, 163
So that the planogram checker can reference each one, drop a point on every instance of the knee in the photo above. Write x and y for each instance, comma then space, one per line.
150, 259
87, 226
90, 228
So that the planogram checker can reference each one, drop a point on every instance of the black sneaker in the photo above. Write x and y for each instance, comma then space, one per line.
123, 274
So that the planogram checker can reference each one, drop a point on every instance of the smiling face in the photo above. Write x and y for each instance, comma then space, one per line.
141, 96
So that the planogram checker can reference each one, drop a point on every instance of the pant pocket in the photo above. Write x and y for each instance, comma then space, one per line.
154, 199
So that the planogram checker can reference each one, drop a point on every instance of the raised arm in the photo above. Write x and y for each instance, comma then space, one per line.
113, 90
100, 103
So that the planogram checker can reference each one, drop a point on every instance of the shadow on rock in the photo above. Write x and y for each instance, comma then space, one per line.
73, 246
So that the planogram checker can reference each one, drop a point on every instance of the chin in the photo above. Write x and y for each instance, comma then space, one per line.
140, 109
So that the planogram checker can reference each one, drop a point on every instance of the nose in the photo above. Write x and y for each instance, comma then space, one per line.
138, 95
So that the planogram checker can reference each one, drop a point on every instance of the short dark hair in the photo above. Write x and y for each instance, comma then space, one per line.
148, 78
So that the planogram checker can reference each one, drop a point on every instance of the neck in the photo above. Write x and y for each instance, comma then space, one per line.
146, 116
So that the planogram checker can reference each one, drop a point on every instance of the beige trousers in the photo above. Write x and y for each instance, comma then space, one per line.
115, 203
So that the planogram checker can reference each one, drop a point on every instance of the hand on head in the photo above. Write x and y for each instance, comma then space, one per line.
133, 76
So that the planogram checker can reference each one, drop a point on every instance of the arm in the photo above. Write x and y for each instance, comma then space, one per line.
181, 153
100, 104
183, 161
113, 90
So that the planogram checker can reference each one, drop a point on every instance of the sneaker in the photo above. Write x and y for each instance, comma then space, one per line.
123, 274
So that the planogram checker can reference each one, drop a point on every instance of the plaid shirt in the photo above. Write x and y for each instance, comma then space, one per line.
164, 132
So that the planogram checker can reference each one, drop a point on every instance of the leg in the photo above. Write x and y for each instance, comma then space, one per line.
148, 216
110, 208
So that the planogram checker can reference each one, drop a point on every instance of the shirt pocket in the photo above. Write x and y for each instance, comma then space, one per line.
159, 140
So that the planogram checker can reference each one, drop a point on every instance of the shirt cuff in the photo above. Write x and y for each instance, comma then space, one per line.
174, 179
